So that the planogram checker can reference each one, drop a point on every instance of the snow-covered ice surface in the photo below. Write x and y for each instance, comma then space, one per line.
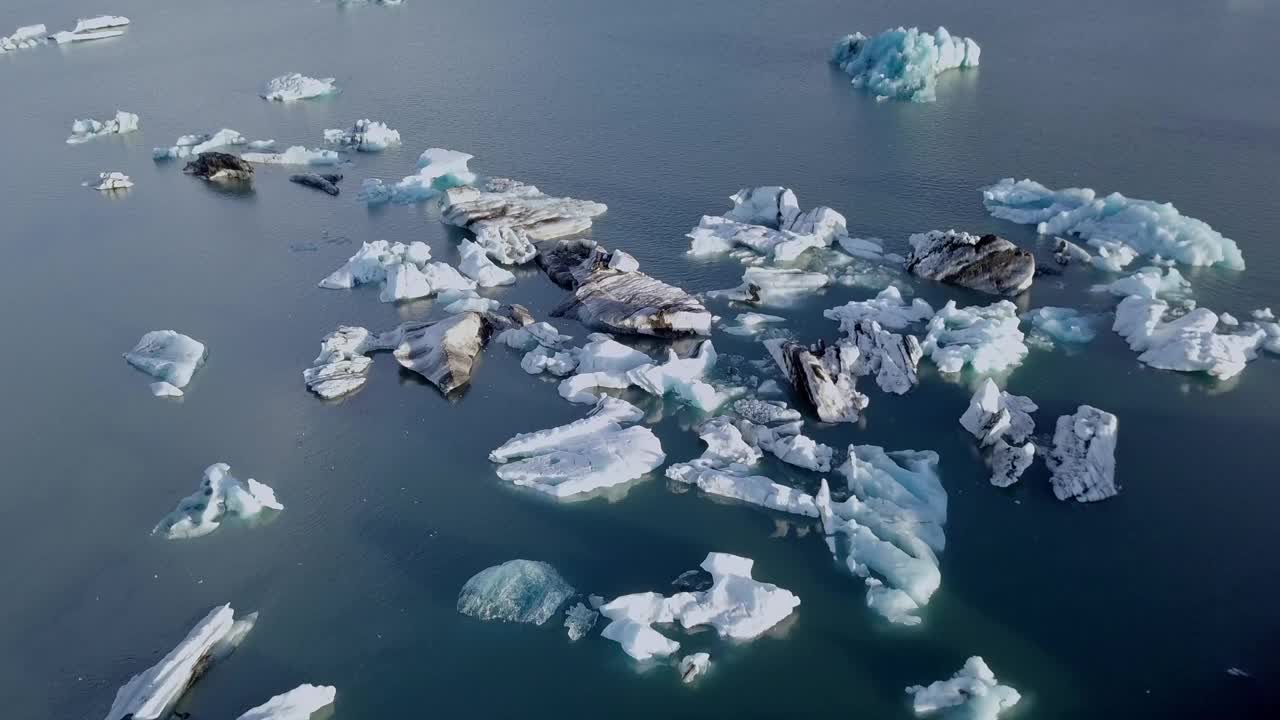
986, 339
1082, 461
297, 704
438, 170
365, 136
973, 693
525, 591
296, 86
192, 145
1188, 343
901, 63
220, 495
1146, 227
168, 356
294, 155
151, 694
583, 456
736, 606
85, 130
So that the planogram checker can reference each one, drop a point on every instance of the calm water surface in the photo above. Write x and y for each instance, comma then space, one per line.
1130, 608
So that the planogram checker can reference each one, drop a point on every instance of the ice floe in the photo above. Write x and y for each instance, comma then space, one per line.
987, 339
988, 263
736, 605
326, 182
972, 693
508, 216
865, 248
768, 221
823, 375
887, 308
193, 145
83, 131
343, 364
1063, 325
113, 181
168, 356
294, 155
100, 22
1082, 461
219, 496
476, 265
219, 166
299, 703
1003, 422
151, 694
524, 591
583, 456
27, 36
365, 136
1146, 227
903, 64
1188, 343
296, 86
773, 286
764, 412
438, 170
894, 359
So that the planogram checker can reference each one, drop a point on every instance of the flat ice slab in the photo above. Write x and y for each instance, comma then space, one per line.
168, 356
296, 86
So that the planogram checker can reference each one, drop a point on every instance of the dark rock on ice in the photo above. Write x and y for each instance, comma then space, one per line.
219, 166
988, 263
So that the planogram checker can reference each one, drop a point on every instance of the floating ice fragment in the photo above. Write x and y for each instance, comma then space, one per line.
1083, 460
27, 36
985, 338
767, 286
113, 181
193, 145
296, 86
823, 375
220, 495
1151, 283
1002, 421
66, 36
750, 323
168, 356
903, 64
888, 308
1146, 227
85, 130
365, 136
100, 22
691, 666
579, 620
1065, 325
164, 389
297, 704
525, 591
438, 170
988, 263
1188, 343
294, 155
972, 693
477, 266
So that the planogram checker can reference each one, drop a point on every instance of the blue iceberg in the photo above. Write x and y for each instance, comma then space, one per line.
903, 64
1066, 325
524, 591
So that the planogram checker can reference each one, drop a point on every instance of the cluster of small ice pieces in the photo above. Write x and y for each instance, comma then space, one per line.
583, 456
988, 263
1122, 228
27, 36
903, 64
94, 28
296, 86
523, 591
85, 130
736, 605
403, 270
986, 339
170, 357
220, 495
972, 693
768, 221
294, 155
1002, 421
113, 181
365, 136
195, 144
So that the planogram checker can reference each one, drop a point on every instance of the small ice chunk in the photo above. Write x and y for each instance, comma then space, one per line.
477, 266
750, 323
113, 181
994, 414
525, 591
1083, 460
27, 36
985, 338
220, 495
823, 375
85, 130
1264, 314
297, 704
888, 308
472, 304
691, 666
365, 136
168, 356
764, 285
296, 86
164, 389
1188, 343
865, 248
294, 155
1008, 462
579, 620
100, 22
717, 234
972, 692
1228, 319
438, 170
902, 63
193, 145
765, 412
733, 483
342, 366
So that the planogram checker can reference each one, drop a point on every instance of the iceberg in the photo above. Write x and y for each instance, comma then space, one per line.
327, 182
972, 692
83, 131
894, 359
194, 145
219, 166
750, 323
888, 309
986, 339
477, 266
152, 693
764, 412
294, 155
403, 270
113, 181
823, 375
1058, 324
903, 64
438, 170
297, 704
219, 496
1151, 283
1188, 343
27, 36
508, 216
768, 221
736, 605
988, 264
365, 136
768, 286
590, 454
523, 591
100, 22
1082, 462
715, 235
1143, 226
1003, 422
66, 36
168, 356
865, 248
296, 86
578, 621
164, 389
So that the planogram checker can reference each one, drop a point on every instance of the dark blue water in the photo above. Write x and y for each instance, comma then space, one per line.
1130, 608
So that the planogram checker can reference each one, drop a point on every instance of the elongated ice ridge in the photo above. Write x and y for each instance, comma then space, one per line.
903, 64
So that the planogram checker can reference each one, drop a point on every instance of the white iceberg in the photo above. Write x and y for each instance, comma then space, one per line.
294, 155
590, 454
865, 248
1003, 422
168, 356
365, 136
1188, 343
894, 359
297, 704
192, 145
888, 308
1151, 283
296, 86
605, 363
477, 266
438, 170
220, 495
403, 270
768, 221
972, 693
1083, 460
1147, 227
578, 621
987, 339
151, 694
342, 366
164, 389
85, 130
523, 591
27, 36
903, 64
113, 181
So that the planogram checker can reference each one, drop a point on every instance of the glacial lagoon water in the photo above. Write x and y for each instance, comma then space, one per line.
1134, 607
